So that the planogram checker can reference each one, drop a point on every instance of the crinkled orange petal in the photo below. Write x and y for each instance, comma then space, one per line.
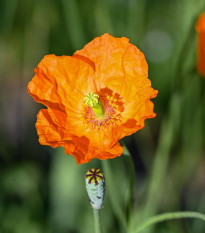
200, 28
60, 84
107, 66
57, 77
85, 154
50, 133
117, 62
122, 67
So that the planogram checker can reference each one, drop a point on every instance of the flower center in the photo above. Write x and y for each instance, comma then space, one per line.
93, 101
103, 110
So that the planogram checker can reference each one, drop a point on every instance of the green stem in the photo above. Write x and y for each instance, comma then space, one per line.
128, 156
169, 216
167, 135
113, 193
98, 227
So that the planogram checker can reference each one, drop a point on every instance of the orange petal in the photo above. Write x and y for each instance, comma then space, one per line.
85, 154
119, 65
200, 28
48, 131
62, 82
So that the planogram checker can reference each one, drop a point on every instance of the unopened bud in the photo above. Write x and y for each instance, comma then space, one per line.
95, 185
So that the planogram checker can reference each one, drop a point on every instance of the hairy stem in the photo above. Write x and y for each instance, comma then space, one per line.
98, 227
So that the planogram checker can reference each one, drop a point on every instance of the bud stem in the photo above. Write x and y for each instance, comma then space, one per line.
98, 227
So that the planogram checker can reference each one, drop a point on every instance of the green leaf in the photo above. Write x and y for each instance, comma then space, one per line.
168, 216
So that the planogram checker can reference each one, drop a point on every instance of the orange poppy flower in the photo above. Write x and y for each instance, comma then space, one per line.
93, 98
200, 28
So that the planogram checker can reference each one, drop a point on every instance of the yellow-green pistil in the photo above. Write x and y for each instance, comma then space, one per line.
92, 100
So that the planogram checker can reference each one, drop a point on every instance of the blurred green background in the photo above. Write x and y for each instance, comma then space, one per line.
42, 189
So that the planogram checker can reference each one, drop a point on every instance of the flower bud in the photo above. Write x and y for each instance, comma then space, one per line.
95, 185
